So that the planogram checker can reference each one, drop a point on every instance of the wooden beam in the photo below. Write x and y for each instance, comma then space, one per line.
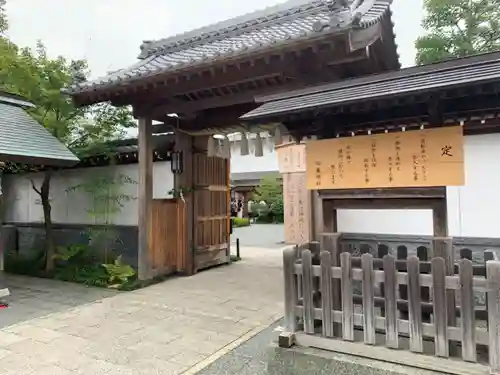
386, 204
192, 107
200, 105
216, 119
145, 197
387, 193
304, 65
205, 80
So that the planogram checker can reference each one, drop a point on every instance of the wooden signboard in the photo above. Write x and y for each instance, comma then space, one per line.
291, 157
297, 208
421, 158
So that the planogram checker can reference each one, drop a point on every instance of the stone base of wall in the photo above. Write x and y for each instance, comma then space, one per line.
26, 239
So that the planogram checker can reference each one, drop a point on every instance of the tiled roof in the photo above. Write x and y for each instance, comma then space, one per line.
455, 73
292, 20
241, 178
25, 140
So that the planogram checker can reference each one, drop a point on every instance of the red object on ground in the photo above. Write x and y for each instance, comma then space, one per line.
3, 306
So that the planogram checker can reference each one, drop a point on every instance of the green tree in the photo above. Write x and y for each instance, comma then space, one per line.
4, 25
458, 28
39, 78
270, 191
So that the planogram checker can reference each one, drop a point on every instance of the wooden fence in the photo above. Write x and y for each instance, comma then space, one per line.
320, 303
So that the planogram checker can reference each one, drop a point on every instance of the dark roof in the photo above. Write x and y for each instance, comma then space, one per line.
242, 178
24, 140
14, 99
161, 142
484, 68
281, 24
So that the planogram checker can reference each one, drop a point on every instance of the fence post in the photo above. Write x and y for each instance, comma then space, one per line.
286, 339
493, 275
347, 302
391, 312
331, 243
307, 284
414, 305
442, 247
438, 271
467, 310
326, 294
368, 299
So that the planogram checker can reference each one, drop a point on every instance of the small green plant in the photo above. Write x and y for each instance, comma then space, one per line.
181, 192
239, 222
108, 200
118, 272
67, 253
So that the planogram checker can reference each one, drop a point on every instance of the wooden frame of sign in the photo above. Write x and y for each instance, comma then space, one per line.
327, 202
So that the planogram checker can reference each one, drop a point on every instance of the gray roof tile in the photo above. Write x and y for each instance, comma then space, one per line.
24, 140
475, 69
246, 34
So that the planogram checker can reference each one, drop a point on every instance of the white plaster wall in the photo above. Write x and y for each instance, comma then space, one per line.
472, 208
416, 222
23, 203
250, 163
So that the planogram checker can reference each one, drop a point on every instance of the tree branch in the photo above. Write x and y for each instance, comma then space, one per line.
38, 191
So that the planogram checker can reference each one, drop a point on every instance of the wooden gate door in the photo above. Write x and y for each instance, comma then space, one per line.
211, 211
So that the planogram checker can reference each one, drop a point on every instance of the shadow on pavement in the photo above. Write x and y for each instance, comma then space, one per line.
32, 297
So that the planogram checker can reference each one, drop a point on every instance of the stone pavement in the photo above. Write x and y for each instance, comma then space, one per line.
164, 329
261, 235
34, 298
261, 356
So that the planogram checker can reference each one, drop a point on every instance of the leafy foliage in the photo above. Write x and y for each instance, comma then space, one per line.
4, 24
239, 222
106, 193
270, 191
32, 74
77, 264
458, 28
69, 252
118, 272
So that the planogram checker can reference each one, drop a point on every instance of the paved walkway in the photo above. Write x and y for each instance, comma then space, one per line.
164, 329
261, 235
261, 356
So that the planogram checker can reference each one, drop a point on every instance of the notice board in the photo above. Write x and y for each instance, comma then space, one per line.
420, 158
291, 157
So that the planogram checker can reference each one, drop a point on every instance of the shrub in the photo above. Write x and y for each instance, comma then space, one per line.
240, 222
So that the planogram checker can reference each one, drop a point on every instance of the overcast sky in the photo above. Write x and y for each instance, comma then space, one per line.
108, 33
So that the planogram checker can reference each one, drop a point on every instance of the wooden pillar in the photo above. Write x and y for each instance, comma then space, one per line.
440, 219
184, 143
324, 216
145, 198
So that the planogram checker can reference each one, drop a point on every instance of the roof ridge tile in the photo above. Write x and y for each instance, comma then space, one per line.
267, 34
176, 41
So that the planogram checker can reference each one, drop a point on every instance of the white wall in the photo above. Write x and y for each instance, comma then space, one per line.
472, 208
250, 163
23, 203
